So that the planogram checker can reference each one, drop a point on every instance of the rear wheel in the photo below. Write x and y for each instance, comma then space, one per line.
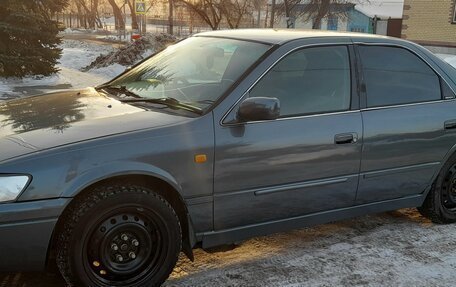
119, 235
440, 204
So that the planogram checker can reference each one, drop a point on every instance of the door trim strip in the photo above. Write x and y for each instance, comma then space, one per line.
378, 173
307, 184
290, 186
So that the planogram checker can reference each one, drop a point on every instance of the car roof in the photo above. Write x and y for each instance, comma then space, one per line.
280, 36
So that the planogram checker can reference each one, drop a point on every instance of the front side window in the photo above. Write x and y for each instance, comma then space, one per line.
196, 71
397, 76
309, 81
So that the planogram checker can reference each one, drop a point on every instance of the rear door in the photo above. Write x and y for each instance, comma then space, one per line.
409, 116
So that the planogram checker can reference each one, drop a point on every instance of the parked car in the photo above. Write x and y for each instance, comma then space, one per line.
221, 137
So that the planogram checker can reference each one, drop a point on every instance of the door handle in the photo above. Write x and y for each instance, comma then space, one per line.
346, 138
449, 125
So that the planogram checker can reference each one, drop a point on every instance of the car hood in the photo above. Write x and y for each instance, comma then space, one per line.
36, 123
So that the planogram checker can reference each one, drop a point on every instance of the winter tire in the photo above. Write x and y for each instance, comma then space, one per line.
440, 204
118, 235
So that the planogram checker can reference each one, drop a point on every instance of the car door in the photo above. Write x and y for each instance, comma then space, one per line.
305, 161
409, 118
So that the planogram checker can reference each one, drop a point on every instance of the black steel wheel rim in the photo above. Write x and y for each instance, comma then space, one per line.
124, 246
448, 191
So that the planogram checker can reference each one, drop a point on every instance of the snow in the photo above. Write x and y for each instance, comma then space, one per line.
399, 248
115, 38
450, 59
72, 31
76, 55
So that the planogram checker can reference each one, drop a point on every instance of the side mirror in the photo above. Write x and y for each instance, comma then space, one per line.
259, 109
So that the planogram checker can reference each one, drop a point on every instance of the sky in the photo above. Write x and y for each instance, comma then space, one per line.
381, 8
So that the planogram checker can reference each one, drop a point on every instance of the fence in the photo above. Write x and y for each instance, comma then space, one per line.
184, 24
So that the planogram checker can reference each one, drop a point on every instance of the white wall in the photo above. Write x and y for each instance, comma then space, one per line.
300, 24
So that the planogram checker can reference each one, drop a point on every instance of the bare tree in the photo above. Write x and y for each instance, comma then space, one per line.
208, 10
88, 13
236, 10
316, 10
258, 5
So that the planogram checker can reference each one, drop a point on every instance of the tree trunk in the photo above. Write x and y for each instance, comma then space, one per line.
120, 23
170, 16
323, 10
258, 18
287, 12
79, 16
271, 25
266, 17
93, 13
134, 18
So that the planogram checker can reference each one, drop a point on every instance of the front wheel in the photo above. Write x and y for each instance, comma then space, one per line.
119, 235
440, 204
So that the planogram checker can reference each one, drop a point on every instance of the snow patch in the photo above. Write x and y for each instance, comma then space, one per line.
75, 55
71, 31
450, 59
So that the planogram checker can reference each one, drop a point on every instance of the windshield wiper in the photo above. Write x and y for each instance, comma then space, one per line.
119, 89
170, 102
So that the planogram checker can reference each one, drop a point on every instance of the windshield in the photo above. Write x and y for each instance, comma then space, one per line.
196, 71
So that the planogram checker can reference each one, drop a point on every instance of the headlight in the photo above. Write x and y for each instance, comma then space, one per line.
11, 186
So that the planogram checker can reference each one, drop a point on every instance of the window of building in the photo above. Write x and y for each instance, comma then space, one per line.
333, 23
454, 12
309, 81
397, 76
358, 29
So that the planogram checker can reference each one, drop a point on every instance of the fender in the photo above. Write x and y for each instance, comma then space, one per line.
437, 172
116, 168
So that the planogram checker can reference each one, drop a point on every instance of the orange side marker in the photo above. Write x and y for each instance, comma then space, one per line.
200, 158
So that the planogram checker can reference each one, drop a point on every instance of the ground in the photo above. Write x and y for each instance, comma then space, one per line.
399, 248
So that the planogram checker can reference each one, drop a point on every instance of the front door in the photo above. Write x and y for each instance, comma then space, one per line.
307, 160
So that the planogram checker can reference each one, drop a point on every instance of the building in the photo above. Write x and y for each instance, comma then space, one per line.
338, 22
373, 16
385, 17
431, 23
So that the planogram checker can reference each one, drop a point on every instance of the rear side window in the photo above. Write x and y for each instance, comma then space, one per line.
396, 76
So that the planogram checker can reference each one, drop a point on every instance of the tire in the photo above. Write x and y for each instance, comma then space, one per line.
440, 203
118, 235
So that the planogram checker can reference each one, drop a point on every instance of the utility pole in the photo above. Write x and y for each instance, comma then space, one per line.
271, 24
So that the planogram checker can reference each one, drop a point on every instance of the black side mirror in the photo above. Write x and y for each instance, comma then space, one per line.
259, 109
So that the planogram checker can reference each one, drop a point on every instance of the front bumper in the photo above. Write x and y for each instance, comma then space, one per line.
25, 233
